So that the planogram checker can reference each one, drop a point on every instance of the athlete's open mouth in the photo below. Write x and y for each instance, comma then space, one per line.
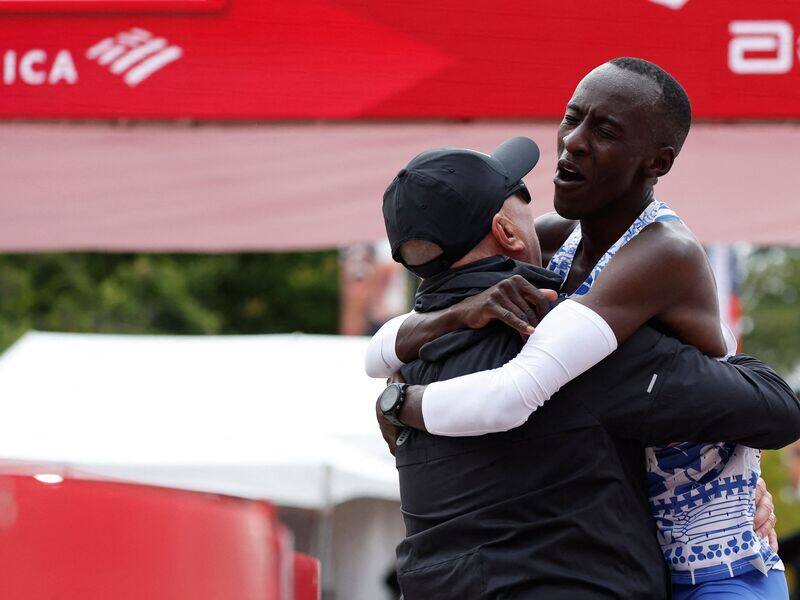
568, 173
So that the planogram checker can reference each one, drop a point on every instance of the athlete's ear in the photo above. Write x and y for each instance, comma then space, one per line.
661, 163
505, 234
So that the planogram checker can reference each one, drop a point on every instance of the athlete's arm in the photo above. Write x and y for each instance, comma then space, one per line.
381, 358
661, 274
690, 397
516, 303
513, 301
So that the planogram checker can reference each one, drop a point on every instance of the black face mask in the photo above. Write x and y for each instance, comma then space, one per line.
430, 268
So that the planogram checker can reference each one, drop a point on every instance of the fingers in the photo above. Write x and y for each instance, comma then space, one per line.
536, 298
506, 305
768, 527
764, 507
773, 541
761, 487
551, 295
510, 318
762, 515
532, 304
390, 433
523, 309
513, 301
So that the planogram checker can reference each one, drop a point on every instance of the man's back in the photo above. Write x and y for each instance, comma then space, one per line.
555, 508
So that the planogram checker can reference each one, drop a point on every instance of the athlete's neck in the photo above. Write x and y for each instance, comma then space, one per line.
600, 232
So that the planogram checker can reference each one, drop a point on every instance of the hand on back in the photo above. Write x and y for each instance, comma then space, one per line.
514, 301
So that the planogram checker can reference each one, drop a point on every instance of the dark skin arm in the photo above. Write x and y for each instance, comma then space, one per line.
515, 301
662, 274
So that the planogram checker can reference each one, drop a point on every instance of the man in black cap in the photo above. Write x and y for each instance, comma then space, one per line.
462, 191
557, 506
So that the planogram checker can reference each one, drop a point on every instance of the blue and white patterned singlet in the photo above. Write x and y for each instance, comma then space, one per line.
702, 496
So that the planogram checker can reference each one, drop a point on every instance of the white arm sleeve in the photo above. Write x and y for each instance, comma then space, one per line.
570, 340
381, 358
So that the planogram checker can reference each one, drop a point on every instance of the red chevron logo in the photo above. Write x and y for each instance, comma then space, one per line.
134, 54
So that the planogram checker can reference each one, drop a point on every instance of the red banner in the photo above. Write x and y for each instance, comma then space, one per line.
342, 59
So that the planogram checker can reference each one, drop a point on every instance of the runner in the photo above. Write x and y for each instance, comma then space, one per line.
509, 515
622, 130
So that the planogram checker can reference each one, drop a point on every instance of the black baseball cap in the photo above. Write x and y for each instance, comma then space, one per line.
448, 196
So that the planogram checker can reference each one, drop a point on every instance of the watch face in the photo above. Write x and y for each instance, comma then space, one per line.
389, 397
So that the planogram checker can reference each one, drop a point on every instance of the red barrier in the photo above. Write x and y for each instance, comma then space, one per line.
306, 577
87, 540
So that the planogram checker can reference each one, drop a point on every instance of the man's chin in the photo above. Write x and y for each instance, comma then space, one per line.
568, 208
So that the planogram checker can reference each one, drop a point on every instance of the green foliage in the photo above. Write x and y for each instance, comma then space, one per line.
165, 293
787, 504
770, 294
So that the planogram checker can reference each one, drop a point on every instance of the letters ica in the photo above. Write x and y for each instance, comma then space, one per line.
36, 67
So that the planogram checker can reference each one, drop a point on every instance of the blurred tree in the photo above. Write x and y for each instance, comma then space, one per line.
770, 294
168, 293
771, 327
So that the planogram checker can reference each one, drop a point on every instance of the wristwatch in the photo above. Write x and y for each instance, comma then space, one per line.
391, 401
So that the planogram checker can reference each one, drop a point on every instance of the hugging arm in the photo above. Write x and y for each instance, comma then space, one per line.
501, 399
381, 359
654, 276
517, 303
690, 397
514, 301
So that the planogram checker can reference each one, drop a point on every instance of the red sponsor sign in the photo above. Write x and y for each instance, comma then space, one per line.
343, 59
94, 6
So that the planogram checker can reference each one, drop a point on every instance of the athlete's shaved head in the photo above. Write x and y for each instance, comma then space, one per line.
674, 105
622, 129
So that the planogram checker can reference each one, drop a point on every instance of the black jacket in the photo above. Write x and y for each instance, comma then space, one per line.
557, 508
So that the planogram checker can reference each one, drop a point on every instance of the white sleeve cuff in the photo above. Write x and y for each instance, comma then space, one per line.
381, 358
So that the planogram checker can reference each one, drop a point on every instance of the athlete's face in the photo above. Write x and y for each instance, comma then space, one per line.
605, 141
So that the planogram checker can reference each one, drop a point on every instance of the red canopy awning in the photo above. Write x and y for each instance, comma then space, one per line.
221, 188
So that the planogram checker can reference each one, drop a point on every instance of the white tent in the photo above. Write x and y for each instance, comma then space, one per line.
288, 418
